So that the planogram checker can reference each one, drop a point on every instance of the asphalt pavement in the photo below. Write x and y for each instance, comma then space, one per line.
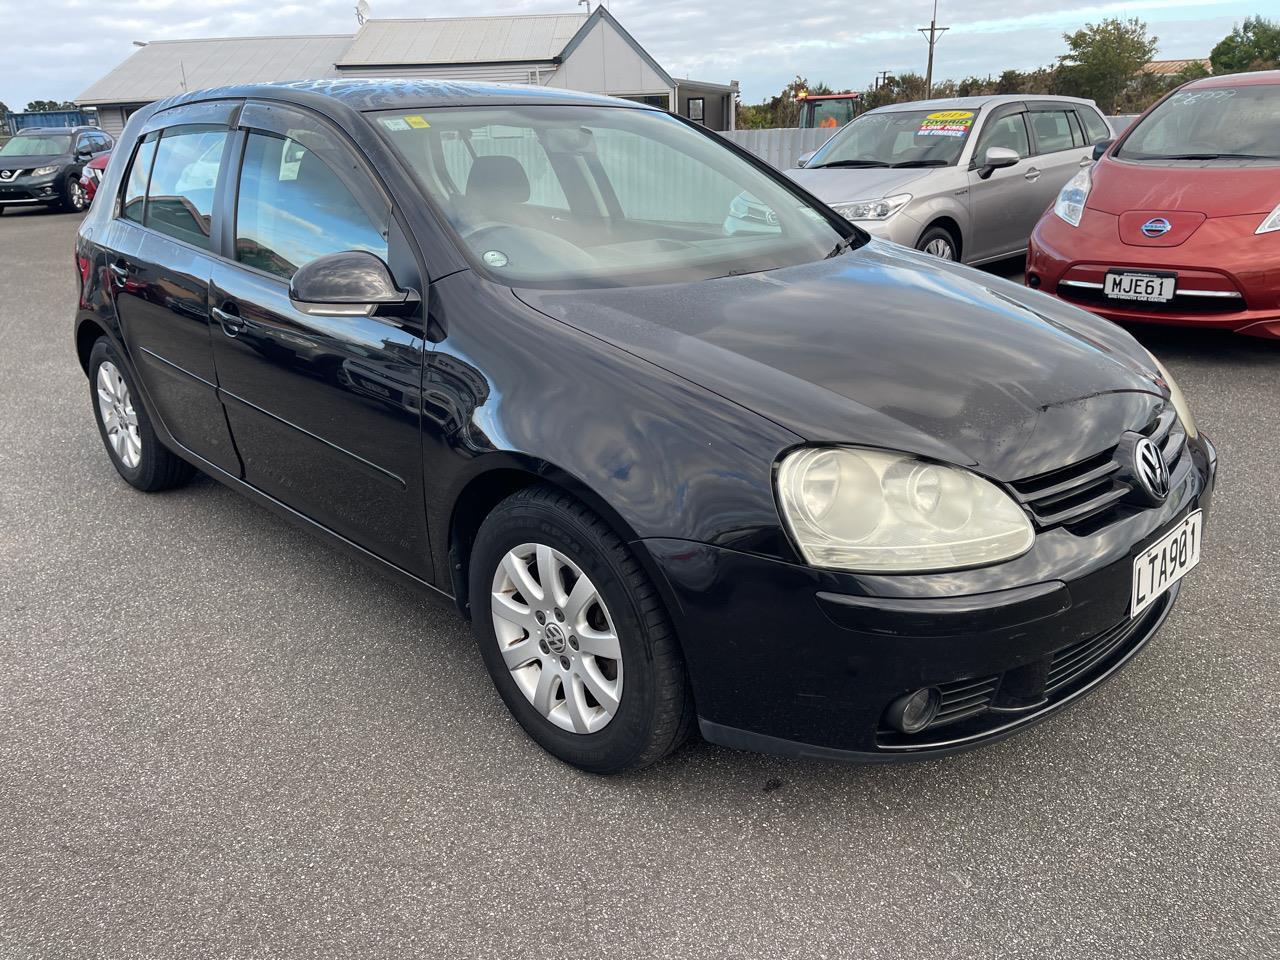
219, 738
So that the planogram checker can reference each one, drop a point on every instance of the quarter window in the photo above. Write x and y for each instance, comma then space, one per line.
135, 188
1095, 127
180, 197
1053, 131
1009, 132
293, 208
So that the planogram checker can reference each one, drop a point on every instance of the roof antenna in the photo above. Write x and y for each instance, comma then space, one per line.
362, 11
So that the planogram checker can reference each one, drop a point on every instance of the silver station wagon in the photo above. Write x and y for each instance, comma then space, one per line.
963, 179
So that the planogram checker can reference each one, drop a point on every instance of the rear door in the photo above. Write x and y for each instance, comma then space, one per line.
325, 410
1061, 149
1002, 205
164, 251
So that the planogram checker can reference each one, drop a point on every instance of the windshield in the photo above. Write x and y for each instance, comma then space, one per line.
37, 145
602, 196
898, 138
1212, 123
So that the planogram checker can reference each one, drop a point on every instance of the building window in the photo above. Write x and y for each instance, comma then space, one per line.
696, 107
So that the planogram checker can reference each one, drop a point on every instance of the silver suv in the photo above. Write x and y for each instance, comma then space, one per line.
963, 179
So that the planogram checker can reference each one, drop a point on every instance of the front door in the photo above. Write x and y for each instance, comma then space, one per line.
1003, 203
325, 410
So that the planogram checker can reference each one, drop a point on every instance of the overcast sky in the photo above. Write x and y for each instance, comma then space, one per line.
53, 49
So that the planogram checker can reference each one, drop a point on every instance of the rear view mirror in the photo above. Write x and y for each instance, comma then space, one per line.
804, 158
996, 159
1100, 148
353, 283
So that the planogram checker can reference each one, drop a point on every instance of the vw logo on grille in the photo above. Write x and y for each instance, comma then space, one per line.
1150, 471
1156, 227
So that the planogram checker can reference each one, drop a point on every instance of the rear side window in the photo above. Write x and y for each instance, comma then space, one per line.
1095, 127
135, 187
292, 208
1053, 131
180, 197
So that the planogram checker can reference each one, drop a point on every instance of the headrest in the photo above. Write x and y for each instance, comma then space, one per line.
498, 179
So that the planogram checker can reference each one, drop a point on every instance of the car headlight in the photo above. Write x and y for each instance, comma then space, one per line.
874, 511
872, 209
1271, 224
1071, 198
41, 171
1179, 401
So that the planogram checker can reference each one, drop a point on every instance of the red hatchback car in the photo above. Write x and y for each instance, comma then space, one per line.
1179, 221
92, 174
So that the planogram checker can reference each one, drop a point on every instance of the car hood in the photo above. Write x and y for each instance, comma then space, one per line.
26, 163
1208, 189
840, 184
889, 348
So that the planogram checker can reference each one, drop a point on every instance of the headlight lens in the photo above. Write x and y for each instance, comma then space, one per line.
1271, 224
1071, 198
1179, 401
41, 171
872, 209
879, 512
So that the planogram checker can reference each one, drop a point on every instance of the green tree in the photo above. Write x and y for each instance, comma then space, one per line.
1253, 45
44, 106
1103, 59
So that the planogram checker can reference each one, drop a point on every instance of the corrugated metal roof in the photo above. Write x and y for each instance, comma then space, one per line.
1167, 68
462, 40
157, 70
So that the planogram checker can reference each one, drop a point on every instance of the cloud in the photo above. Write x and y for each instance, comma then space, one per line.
761, 43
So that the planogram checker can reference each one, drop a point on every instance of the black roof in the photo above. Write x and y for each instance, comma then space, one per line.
389, 93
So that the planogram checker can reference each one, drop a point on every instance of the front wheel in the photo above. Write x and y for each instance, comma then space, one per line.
75, 198
131, 442
574, 635
938, 242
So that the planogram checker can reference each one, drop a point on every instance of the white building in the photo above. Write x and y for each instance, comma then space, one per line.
577, 51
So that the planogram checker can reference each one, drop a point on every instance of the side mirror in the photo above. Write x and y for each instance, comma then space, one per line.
1100, 148
804, 158
997, 158
354, 283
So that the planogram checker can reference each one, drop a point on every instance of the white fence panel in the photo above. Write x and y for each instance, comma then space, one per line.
779, 146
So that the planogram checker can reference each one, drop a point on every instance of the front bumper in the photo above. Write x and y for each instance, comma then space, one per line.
1228, 277
789, 659
28, 189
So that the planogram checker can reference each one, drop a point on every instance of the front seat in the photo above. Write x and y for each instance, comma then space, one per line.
498, 190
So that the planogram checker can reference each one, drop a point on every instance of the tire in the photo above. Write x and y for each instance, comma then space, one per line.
74, 199
654, 709
939, 239
136, 453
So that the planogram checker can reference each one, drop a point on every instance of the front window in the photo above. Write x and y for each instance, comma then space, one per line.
1210, 123
37, 145
899, 138
598, 196
830, 113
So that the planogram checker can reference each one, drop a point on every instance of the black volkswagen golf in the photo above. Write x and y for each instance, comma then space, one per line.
682, 443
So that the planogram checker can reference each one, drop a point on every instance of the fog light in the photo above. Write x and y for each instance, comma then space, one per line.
915, 711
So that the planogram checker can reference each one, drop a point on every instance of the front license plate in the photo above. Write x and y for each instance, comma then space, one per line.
1151, 287
1159, 567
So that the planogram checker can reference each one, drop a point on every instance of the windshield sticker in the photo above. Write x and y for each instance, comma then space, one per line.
394, 123
495, 258
946, 123
416, 122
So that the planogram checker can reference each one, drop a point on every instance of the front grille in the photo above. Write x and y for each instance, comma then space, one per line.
963, 699
1077, 660
1181, 303
1090, 490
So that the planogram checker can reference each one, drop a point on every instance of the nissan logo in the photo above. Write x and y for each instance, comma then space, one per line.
1156, 227
1150, 471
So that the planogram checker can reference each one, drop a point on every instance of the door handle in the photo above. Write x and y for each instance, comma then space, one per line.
119, 274
1086, 161
1033, 175
232, 323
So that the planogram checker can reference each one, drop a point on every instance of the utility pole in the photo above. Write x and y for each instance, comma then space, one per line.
931, 33
882, 77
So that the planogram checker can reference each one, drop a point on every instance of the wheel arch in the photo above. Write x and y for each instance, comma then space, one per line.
952, 226
88, 331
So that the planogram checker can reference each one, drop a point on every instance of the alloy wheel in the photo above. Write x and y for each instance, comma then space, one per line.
119, 418
940, 248
557, 638
78, 201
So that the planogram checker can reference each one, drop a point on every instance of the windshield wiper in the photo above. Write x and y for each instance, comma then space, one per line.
1207, 156
850, 163
842, 246
921, 163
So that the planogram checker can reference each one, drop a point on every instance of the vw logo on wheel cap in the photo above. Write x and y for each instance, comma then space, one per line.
1156, 227
1150, 471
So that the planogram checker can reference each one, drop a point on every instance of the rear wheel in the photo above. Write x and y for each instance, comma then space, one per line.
938, 242
574, 635
131, 442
